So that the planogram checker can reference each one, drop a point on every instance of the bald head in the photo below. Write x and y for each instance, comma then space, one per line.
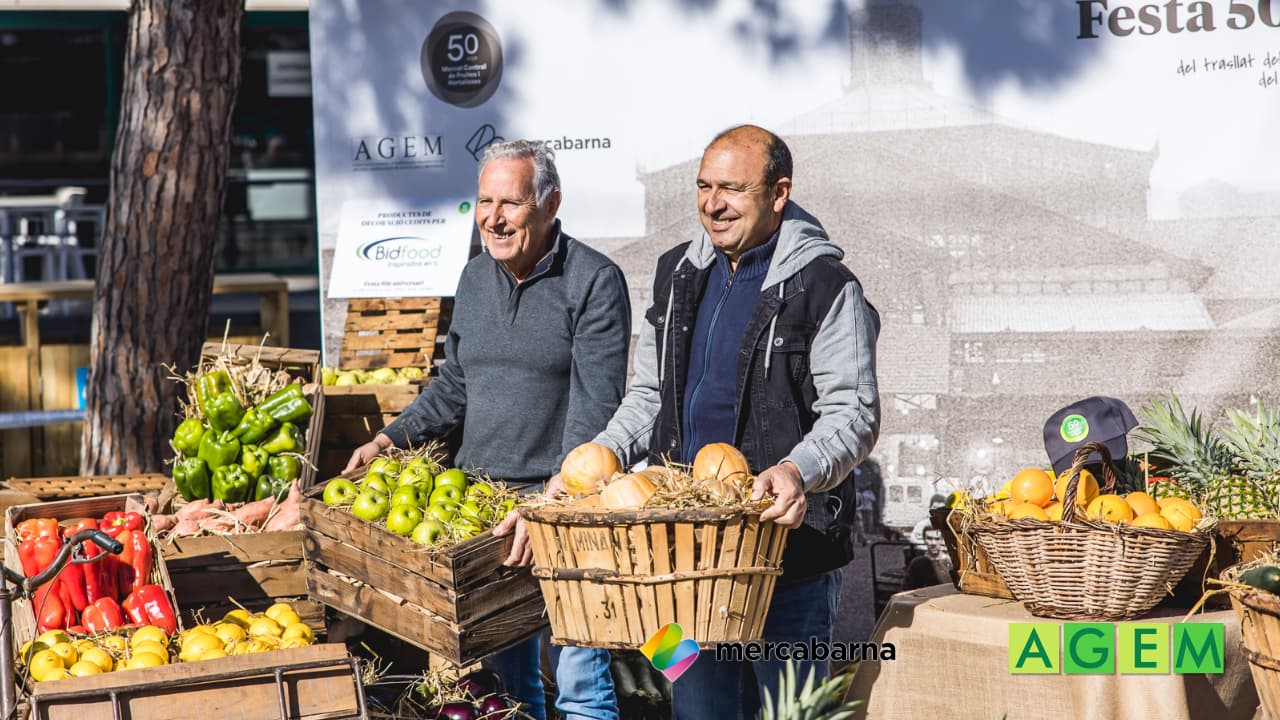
777, 157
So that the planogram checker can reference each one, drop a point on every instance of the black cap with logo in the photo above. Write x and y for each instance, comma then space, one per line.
1096, 419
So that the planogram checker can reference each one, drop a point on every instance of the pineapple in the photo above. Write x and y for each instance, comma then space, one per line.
824, 702
1254, 442
1202, 466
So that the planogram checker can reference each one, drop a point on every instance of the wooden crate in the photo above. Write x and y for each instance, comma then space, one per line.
299, 363
394, 333
460, 603
78, 486
24, 622
353, 414
254, 569
315, 682
971, 569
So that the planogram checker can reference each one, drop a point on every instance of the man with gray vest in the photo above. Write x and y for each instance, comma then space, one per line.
536, 362
759, 336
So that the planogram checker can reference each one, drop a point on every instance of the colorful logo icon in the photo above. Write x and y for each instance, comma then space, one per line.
670, 652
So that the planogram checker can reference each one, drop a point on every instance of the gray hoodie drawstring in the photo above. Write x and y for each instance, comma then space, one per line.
666, 327
773, 324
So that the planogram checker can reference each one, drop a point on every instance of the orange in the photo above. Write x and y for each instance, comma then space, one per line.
1031, 485
1086, 491
1027, 511
1141, 503
1111, 508
1178, 518
1152, 520
1001, 507
1186, 506
1053, 510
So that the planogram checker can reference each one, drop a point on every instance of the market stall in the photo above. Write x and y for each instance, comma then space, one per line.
952, 660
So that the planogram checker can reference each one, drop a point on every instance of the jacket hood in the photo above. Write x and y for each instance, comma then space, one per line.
800, 241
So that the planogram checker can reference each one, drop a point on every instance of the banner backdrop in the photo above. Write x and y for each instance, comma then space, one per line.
1046, 201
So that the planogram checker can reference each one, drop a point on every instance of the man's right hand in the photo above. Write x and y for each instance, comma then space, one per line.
367, 452
555, 487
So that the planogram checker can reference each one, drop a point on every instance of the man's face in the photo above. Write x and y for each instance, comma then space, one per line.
516, 230
738, 209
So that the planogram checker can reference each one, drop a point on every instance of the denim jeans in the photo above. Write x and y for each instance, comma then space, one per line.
729, 689
584, 683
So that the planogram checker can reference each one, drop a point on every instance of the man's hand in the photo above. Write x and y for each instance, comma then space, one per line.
521, 551
555, 487
782, 480
367, 452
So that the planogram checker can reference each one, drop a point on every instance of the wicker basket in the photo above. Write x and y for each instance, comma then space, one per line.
1259, 615
1080, 569
613, 579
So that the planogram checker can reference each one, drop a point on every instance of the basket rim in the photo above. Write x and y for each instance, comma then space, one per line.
984, 525
571, 515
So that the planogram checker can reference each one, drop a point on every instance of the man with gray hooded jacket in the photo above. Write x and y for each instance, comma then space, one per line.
759, 336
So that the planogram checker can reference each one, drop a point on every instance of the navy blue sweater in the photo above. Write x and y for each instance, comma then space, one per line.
723, 314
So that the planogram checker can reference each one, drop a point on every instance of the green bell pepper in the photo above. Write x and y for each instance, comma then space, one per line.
218, 449
271, 487
209, 386
254, 426
225, 411
186, 439
254, 460
287, 439
231, 484
192, 478
285, 467
287, 404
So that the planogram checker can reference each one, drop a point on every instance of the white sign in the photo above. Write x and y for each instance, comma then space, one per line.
288, 73
401, 248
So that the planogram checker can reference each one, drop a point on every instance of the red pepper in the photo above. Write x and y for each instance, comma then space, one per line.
142, 558
45, 550
49, 611
124, 563
27, 555
71, 577
105, 614
37, 528
78, 630
113, 523
93, 581
149, 605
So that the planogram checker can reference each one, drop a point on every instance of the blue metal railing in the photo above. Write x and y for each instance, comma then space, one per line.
37, 418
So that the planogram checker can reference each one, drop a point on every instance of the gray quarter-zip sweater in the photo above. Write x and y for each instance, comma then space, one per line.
535, 368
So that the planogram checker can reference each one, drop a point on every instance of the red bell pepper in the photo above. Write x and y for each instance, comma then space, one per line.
37, 528
93, 580
124, 563
113, 523
49, 609
105, 614
27, 555
142, 557
149, 605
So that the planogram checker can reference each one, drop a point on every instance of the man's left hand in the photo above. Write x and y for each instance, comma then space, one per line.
784, 482
521, 552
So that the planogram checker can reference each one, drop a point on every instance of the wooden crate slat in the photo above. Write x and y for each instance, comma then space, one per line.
392, 341
418, 322
370, 399
298, 362
370, 305
383, 332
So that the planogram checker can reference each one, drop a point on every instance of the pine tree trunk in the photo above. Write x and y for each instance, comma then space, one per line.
155, 261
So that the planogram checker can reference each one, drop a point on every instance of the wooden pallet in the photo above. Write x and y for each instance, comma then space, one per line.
353, 414
75, 486
460, 603
392, 333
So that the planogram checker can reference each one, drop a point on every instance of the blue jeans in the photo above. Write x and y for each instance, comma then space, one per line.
729, 689
584, 683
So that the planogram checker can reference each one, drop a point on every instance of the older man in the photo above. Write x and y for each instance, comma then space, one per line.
760, 337
536, 363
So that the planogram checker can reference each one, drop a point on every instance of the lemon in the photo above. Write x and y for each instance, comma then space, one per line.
83, 668
229, 632
98, 657
44, 662
265, 626
53, 637
54, 674
155, 648
149, 633
30, 648
298, 630
144, 660
287, 618
84, 644
67, 652
294, 642
211, 654
113, 642
199, 646
239, 616
275, 610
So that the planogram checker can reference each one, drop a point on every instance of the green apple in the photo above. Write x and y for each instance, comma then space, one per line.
418, 461
445, 493
409, 495
454, 477
377, 482
420, 475
370, 505
347, 378
442, 511
340, 491
386, 466
402, 519
463, 529
471, 510
506, 506
428, 532
479, 490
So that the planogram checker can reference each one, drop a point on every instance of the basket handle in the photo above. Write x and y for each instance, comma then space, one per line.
1073, 476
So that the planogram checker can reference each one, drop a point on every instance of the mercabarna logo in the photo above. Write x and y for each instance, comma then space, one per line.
398, 248
670, 652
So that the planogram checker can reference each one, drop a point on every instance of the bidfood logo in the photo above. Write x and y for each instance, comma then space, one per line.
401, 251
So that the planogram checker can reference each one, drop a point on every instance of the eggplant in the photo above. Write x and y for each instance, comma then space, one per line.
496, 704
456, 711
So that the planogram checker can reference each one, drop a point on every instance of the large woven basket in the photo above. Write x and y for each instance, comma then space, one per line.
1080, 569
613, 579
1259, 615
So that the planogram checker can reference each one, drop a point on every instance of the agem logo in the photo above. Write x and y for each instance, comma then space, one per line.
398, 248
1099, 648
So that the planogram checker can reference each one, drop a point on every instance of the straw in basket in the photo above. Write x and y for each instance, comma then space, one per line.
1259, 615
1080, 569
613, 579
